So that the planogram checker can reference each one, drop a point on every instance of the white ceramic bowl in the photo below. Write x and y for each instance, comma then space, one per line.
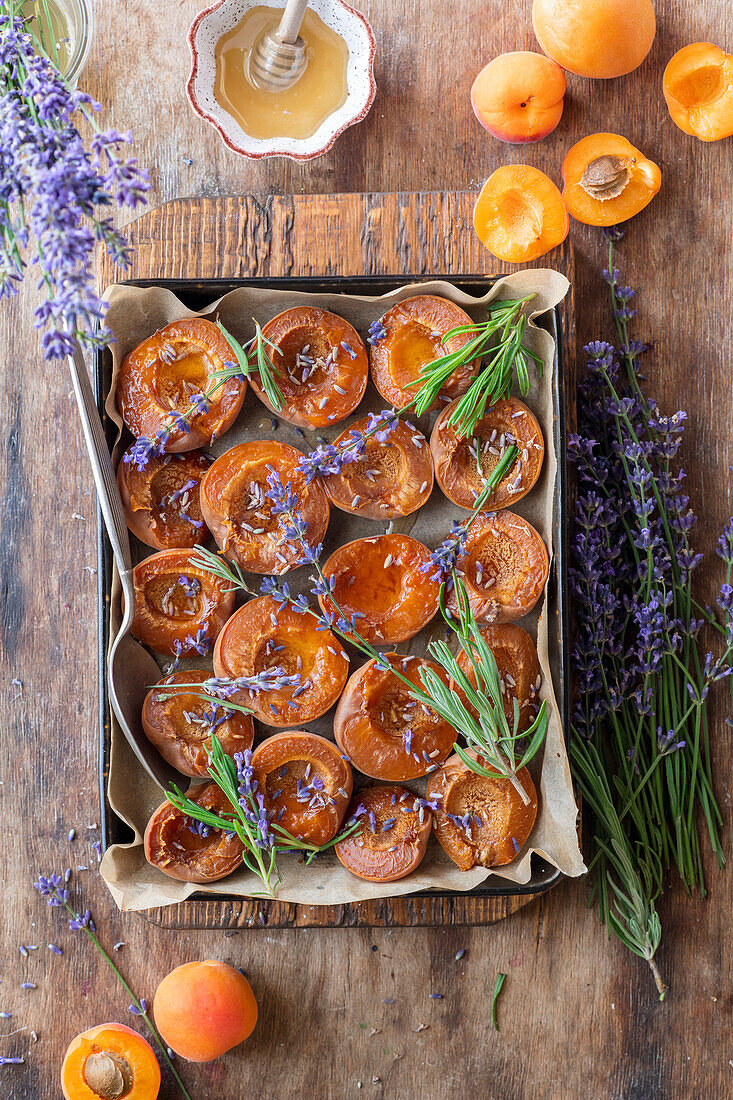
222, 17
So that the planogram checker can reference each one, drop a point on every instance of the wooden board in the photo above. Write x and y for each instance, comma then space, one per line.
409, 234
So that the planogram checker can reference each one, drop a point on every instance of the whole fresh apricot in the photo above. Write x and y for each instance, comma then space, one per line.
518, 97
203, 1009
597, 38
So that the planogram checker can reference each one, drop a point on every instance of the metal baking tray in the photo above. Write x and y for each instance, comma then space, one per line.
196, 294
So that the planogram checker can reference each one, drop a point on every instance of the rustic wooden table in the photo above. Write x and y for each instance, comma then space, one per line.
579, 1016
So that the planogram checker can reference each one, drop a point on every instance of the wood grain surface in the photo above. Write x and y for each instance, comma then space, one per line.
578, 1016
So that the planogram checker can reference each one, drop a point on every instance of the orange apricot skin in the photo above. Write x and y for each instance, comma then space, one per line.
645, 180
520, 214
595, 38
367, 854
117, 1039
203, 1009
154, 527
518, 97
698, 88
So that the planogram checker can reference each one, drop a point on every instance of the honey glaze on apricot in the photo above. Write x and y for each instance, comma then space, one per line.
390, 479
518, 667
480, 820
504, 567
462, 464
187, 850
384, 581
321, 365
162, 375
384, 731
266, 635
161, 501
413, 332
393, 837
305, 782
180, 723
179, 608
239, 512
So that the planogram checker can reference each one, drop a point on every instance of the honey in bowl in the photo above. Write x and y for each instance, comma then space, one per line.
298, 111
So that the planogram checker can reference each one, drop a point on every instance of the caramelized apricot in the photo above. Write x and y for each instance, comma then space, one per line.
108, 1061
384, 731
698, 88
385, 582
267, 635
161, 501
520, 214
393, 838
413, 333
158, 380
180, 723
455, 458
607, 180
239, 512
321, 365
480, 819
187, 850
179, 607
305, 782
390, 479
504, 567
518, 667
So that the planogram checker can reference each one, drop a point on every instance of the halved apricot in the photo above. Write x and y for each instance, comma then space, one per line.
179, 608
462, 464
607, 180
185, 849
239, 512
390, 479
393, 837
384, 731
520, 214
698, 88
267, 635
161, 501
381, 581
305, 782
321, 364
480, 819
110, 1060
518, 666
412, 337
504, 567
158, 380
180, 723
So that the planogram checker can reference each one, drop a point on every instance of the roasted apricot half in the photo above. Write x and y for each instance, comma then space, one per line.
188, 850
161, 500
159, 379
607, 180
384, 731
462, 464
698, 88
384, 582
518, 667
389, 479
480, 819
520, 214
409, 337
305, 782
393, 837
321, 363
266, 635
504, 567
179, 608
180, 723
239, 512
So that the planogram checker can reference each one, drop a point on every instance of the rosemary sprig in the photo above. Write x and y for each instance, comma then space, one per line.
499, 342
265, 368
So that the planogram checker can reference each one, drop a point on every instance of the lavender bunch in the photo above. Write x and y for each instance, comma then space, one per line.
54, 193
641, 751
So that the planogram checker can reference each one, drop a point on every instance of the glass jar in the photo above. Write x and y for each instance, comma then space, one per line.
71, 21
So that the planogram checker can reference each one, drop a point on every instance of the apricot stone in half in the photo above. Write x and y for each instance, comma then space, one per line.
393, 837
607, 180
110, 1060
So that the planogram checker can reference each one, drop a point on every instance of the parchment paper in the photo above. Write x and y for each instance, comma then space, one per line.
136, 313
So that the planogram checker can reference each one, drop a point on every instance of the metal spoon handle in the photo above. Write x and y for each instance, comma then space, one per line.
104, 476
289, 28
